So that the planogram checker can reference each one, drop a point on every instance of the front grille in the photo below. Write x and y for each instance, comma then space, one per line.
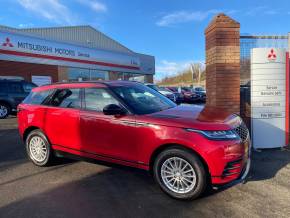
242, 131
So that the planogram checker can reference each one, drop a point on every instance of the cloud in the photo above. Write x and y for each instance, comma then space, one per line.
271, 12
52, 10
184, 16
261, 10
189, 16
94, 5
170, 68
25, 25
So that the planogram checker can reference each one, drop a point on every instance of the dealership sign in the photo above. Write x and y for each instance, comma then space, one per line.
18, 47
269, 97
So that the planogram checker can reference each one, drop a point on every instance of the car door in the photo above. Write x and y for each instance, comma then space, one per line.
62, 119
105, 135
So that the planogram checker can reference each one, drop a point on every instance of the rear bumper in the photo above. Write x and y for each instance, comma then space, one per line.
191, 99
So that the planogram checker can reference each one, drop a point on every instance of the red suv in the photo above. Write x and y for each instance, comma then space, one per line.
185, 147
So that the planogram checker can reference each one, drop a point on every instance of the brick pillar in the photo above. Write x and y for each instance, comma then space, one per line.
223, 64
148, 79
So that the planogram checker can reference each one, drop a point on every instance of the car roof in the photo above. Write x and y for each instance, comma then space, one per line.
85, 84
12, 80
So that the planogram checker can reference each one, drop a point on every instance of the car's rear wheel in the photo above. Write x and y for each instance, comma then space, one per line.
38, 148
180, 174
4, 110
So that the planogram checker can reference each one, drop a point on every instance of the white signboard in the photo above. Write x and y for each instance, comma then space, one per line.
41, 80
18, 47
268, 97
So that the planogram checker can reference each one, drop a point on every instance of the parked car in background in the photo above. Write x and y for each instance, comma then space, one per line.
188, 95
178, 95
166, 92
12, 93
186, 148
200, 91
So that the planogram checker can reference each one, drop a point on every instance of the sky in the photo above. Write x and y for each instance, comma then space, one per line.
170, 30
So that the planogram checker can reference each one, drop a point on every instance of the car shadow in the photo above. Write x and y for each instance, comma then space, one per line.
124, 192
115, 192
267, 163
12, 149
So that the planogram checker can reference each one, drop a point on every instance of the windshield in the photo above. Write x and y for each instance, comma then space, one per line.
143, 100
163, 89
174, 89
186, 89
199, 89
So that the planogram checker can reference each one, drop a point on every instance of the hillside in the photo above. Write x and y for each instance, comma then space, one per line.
184, 78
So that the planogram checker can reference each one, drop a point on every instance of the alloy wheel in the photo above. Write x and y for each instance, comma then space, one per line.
38, 149
3, 111
178, 175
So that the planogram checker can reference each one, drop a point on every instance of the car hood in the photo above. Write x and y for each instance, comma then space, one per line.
196, 117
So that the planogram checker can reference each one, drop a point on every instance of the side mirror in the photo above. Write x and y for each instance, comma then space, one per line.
113, 109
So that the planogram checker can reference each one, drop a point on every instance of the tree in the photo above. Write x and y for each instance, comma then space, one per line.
194, 73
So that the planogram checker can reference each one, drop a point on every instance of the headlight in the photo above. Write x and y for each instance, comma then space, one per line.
218, 135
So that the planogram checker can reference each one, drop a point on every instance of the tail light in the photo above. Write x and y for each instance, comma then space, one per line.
20, 108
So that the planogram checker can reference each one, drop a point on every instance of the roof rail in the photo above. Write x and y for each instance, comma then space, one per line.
92, 81
11, 78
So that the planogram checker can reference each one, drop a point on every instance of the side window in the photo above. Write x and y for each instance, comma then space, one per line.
67, 98
96, 99
37, 97
3, 88
15, 87
28, 86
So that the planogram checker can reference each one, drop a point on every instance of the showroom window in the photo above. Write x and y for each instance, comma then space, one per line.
81, 74
127, 76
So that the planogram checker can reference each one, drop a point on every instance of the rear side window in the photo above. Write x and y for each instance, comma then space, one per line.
15, 87
28, 86
67, 98
3, 87
37, 97
96, 99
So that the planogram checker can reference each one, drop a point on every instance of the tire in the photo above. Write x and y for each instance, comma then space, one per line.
39, 155
188, 189
5, 110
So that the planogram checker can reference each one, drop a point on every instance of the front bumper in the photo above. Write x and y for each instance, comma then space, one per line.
240, 179
235, 170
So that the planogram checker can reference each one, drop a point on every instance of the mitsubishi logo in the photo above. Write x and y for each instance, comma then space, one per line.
272, 56
7, 43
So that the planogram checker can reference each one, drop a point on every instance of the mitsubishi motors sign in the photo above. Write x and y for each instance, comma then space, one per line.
269, 97
7, 43
18, 47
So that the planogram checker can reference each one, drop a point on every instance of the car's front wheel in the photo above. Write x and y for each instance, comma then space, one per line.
4, 110
38, 148
180, 174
